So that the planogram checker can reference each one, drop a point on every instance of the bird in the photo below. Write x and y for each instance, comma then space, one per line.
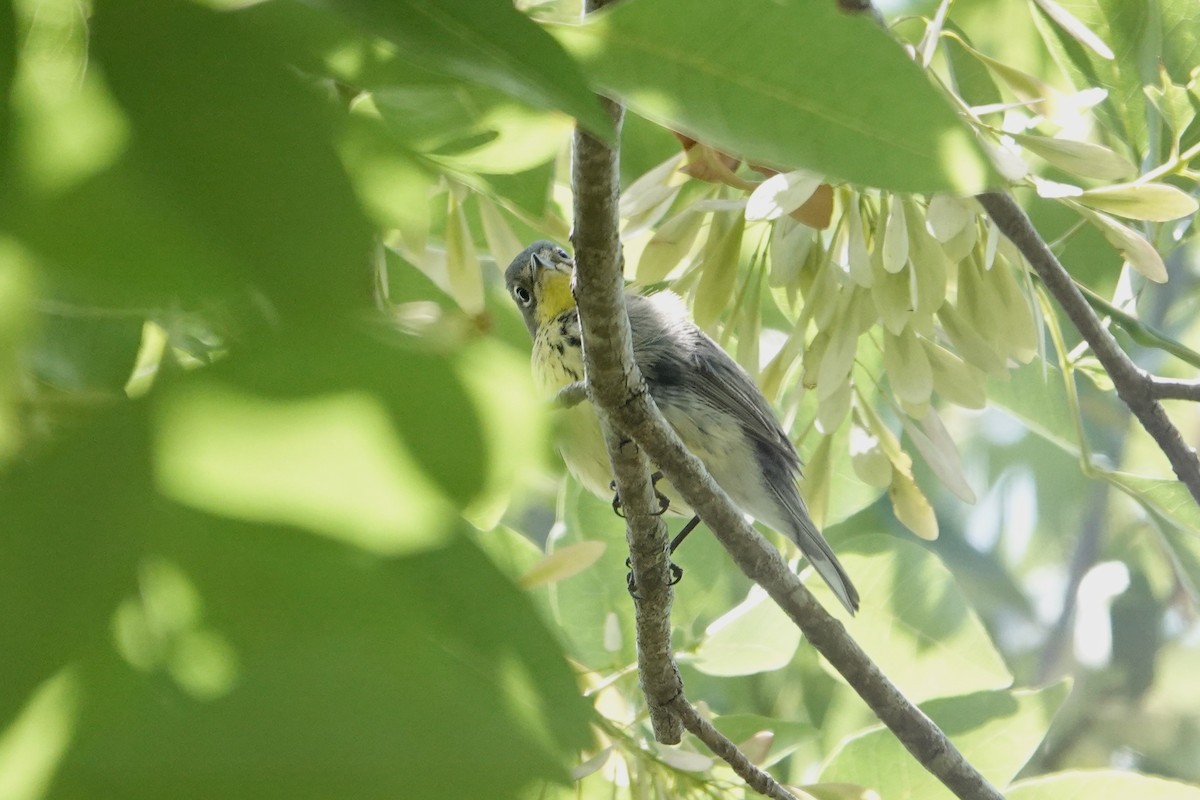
708, 398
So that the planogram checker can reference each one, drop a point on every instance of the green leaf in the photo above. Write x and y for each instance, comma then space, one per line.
1035, 395
562, 564
83, 349
755, 636
329, 464
1080, 158
1181, 39
1167, 496
422, 392
1157, 202
8, 65
488, 43
996, 731
1132, 246
228, 137
1075, 29
1132, 33
719, 269
972, 80
1100, 784
725, 85
785, 734
360, 669
930, 643
87, 544
233, 637
592, 609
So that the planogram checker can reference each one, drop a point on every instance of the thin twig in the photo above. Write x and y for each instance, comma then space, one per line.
1168, 389
1137, 389
757, 779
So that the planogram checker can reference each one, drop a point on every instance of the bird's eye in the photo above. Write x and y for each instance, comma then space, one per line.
562, 254
522, 295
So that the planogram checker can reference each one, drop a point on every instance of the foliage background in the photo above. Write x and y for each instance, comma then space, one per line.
258, 540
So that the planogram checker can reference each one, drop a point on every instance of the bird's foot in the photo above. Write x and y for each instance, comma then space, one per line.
664, 502
676, 577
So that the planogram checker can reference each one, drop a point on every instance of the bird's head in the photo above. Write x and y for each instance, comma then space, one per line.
539, 282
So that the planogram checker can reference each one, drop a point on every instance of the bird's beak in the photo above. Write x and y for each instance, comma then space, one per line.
539, 260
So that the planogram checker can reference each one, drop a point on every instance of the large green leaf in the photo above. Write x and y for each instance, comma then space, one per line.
67, 550
1035, 395
232, 179
256, 660
486, 42
754, 636
80, 351
929, 642
8, 64
996, 731
431, 409
1101, 784
347, 677
790, 84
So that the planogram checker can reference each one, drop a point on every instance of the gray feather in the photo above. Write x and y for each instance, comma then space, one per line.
713, 378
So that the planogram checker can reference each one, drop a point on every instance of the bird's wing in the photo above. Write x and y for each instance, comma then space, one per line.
710, 373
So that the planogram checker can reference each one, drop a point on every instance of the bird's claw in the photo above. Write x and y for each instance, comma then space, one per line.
664, 502
676, 577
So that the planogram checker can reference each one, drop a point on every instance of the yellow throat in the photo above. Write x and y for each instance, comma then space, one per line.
554, 296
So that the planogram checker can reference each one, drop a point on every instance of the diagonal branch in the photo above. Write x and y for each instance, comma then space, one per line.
616, 388
1138, 390
757, 779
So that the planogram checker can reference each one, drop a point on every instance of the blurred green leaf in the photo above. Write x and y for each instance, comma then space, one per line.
786, 735
996, 731
972, 80
754, 636
592, 609
8, 65
930, 643
1035, 395
1100, 784
359, 670
488, 43
723, 77
472, 129
392, 183
1131, 31
68, 551
330, 464
1181, 37
421, 391
82, 349
238, 153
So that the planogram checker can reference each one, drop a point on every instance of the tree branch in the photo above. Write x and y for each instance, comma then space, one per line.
620, 394
615, 384
1167, 389
761, 562
757, 779
609, 366
1136, 388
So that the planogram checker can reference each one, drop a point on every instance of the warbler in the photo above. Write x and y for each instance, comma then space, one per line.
711, 402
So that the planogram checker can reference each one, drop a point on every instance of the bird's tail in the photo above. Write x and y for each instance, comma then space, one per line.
818, 551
